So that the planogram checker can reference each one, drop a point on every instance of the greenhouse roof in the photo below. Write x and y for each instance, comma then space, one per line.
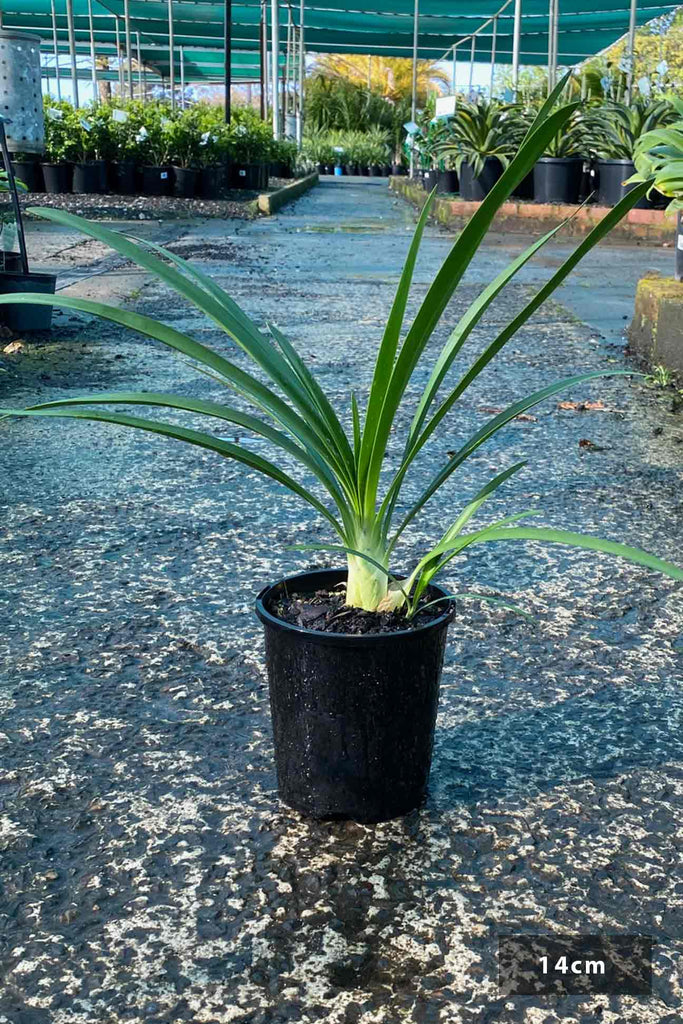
382, 27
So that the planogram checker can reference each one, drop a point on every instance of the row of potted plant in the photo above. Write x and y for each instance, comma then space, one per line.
350, 152
128, 147
594, 152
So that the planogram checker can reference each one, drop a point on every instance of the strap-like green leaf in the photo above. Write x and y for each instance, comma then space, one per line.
195, 437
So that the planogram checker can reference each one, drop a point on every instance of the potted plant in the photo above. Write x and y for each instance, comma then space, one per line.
125, 123
250, 142
26, 167
212, 150
613, 131
447, 175
480, 146
61, 138
354, 654
557, 174
185, 145
152, 150
89, 173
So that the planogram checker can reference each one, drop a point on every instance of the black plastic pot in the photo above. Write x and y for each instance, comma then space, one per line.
429, 179
476, 189
157, 181
86, 179
263, 176
364, 170
57, 178
124, 178
611, 175
29, 172
26, 317
398, 170
211, 182
322, 169
525, 189
353, 716
185, 182
386, 170
375, 171
329, 168
557, 179
447, 182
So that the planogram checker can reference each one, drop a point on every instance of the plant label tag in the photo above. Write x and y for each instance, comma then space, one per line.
679, 242
164, 175
242, 173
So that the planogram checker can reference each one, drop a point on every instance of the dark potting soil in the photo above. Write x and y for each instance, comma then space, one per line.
326, 612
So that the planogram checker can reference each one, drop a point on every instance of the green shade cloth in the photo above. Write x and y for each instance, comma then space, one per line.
382, 27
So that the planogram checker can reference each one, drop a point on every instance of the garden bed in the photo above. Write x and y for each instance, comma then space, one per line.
527, 217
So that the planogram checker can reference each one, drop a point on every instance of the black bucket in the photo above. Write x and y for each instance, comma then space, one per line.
23, 317
558, 179
246, 176
125, 178
399, 170
525, 189
353, 716
157, 181
86, 179
447, 182
30, 173
57, 178
185, 182
611, 175
476, 189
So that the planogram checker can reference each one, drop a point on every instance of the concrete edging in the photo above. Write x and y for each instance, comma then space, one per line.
656, 332
269, 203
654, 226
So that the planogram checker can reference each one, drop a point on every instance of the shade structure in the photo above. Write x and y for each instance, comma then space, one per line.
383, 27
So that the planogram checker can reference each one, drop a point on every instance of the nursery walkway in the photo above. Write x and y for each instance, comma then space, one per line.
149, 874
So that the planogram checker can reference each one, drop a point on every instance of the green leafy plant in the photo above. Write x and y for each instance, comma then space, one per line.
292, 412
612, 130
63, 132
659, 159
478, 132
571, 140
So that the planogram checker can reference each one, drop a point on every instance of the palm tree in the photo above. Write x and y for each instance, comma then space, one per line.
391, 77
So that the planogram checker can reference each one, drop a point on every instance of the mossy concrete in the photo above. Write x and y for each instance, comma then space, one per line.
517, 217
656, 333
271, 202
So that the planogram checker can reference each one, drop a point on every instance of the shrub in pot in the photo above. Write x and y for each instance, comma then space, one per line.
557, 174
612, 132
61, 143
250, 143
151, 148
478, 143
354, 712
186, 136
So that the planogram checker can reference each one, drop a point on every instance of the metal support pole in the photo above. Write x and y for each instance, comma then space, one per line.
454, 71
129, 51
275, 58
227, 57
55, 46
413, 107
493, 56
182, 77
302, 76
551, 36
517, 32
285, 98
631, 49
95, 94
171, 52
13, 192
72, 50
262, 63
139, 56
472, 53
118, 56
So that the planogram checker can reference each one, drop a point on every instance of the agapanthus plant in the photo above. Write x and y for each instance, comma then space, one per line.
292, 412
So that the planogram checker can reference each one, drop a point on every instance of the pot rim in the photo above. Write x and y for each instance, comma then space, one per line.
353, 639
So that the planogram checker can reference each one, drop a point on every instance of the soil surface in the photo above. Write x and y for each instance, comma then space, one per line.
149, 874
327, 612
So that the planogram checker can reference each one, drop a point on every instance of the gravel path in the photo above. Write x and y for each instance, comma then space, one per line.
148, 873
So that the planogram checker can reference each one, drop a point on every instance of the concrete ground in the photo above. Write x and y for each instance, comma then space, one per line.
148, 872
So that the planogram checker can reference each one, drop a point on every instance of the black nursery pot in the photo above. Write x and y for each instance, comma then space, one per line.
86, 179
246, 176
157, 181
29, 172
476, 189
124, 178
447, 182
398, 170
211, 182
429, 179
185, 182
353, 716
525, 189
558, 179
611, 175
22, 317
57, 178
